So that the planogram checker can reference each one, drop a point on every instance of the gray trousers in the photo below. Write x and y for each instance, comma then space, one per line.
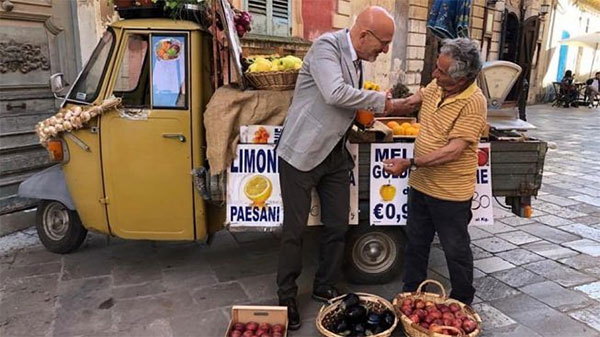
332, 180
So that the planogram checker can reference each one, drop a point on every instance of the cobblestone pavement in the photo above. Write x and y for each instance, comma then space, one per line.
534, 277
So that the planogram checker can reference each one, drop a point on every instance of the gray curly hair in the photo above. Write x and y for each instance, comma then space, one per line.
465, 53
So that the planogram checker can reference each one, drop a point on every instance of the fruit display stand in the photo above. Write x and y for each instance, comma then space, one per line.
333, 314
253, 318
470, 321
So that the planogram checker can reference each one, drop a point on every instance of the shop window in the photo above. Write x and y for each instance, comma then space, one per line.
270, 17
132, 83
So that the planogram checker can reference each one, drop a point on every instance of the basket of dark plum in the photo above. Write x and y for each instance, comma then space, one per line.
357, 315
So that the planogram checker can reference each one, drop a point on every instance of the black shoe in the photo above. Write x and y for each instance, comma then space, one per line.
324, 294
293, 314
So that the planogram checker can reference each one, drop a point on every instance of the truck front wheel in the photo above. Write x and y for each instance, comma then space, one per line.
374, 254
59, 228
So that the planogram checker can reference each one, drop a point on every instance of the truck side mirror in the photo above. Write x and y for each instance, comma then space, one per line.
57, 85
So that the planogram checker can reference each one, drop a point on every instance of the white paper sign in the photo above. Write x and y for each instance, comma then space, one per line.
254, 192
482, 206
389, 194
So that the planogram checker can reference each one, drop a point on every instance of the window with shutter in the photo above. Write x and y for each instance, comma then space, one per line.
270, 17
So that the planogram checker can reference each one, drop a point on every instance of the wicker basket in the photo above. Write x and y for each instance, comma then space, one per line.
273, 80
415, 330
330, 312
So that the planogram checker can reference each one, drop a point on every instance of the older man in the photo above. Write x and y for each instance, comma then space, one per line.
312, 148
442, 179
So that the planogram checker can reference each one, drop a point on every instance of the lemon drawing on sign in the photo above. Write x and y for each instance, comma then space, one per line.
387, 192
258, 189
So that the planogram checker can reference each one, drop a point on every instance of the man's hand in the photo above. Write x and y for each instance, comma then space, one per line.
396, 166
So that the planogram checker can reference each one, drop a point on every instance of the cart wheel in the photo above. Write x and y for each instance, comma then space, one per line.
374, 254
59, 228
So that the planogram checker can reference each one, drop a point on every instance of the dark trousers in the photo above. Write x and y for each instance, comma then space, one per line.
450, 220
332, 180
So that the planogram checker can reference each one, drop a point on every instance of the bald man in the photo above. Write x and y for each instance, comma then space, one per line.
312, 149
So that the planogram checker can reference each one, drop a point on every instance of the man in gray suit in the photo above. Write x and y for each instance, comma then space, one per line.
312, 148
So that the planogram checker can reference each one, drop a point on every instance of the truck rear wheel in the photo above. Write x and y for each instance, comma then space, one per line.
374, 254
59, 228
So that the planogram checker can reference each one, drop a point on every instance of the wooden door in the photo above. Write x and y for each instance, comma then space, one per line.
36, 40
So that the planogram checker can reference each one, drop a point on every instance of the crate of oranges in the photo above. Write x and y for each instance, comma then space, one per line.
406, 127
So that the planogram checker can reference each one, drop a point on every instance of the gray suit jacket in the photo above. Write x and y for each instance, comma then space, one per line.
324, 104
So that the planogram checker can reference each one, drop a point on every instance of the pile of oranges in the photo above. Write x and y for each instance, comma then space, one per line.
404, 129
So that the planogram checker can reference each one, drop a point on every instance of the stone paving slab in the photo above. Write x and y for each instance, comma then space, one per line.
494, 244
491, 317
520, 256
591, 289
589, 316
516, 221
556, 296
582, 230
554, 271
549, 250
517, 277
497, 227
552, 220
518, 237
581, 261
492, 264
586, 246
541, 318
549, 234
489, 289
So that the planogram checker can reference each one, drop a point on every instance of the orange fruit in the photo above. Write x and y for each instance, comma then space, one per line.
398, 130
392, 124
405, 125
365, 117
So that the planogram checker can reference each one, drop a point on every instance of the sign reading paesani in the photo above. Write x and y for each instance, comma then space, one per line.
253, 192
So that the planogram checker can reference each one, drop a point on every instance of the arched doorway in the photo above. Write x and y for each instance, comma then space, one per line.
510, 38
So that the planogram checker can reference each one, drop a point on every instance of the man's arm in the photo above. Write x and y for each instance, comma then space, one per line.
448, 153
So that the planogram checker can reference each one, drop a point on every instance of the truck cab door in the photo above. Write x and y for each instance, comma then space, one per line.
146, 144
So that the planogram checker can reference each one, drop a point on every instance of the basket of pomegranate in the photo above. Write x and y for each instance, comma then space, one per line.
425, 314
357, 314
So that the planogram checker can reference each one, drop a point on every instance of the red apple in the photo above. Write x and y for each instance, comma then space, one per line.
407, 301
235, 333
419, 304
265, 327
424, 325
460, 315
277, 334
252, 326
429, 319
438, 321
421, 313
454, 307
469, 325
436, 314
260, 332
457, 323
266, 334
414, 317
239, 326
278, 328
447, 315
447, 322
407, 310
248, 333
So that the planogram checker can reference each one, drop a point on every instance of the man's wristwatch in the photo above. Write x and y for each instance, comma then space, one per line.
413, 166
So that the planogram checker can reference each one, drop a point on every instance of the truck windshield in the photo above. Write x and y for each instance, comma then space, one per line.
87, 86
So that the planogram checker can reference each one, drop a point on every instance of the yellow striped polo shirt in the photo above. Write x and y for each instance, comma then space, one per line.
462, 116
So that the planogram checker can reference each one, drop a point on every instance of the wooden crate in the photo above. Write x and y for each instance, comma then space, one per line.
259, 314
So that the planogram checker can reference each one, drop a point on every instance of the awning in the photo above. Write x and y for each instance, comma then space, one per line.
589, 5
590, 40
